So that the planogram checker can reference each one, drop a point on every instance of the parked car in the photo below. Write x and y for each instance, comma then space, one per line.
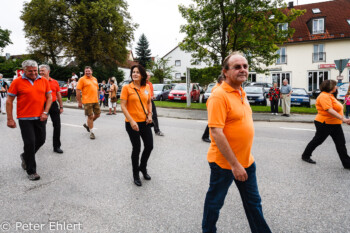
63, 89
120, 87
266, 86
342, 91
256, 95
8, 81
161, 91
207, 93
315, 93
179, 92
300, 97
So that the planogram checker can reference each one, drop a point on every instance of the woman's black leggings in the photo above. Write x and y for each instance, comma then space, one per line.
146, 134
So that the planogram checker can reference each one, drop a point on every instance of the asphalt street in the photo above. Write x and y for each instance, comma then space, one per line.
90, 186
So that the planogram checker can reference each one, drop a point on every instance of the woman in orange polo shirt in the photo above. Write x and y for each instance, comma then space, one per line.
137, 108
328, 122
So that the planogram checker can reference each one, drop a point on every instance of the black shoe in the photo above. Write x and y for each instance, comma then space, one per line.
284, 115
23, 164
137, 181
34, 176
145, 174
58, 150
160, 133
86, 127
206, 140
287, 115
308, 160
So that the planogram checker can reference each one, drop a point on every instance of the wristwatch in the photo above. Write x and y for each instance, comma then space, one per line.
46, 113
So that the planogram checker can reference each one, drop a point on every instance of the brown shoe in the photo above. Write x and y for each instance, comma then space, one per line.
86, 127
92, 136
34, 176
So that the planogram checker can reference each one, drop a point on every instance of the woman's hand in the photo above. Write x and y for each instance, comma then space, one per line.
149, 119
134, 125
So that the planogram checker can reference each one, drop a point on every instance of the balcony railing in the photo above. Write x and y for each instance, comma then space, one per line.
282, 59
319, 57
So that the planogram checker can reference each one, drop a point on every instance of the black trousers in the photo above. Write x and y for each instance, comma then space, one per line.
323, 130
206, 133
274, 106
33, 135
155, 118
146, 134
54, 113
69, 93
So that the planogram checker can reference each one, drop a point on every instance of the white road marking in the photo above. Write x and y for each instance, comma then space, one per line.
300, 129
205, 122
71, 125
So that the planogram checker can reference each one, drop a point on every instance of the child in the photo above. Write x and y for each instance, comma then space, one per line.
347, 103
101, 96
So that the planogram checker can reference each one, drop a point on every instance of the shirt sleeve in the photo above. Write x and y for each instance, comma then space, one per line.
124, 94
217, 112
80, 85
13, 90
325, 102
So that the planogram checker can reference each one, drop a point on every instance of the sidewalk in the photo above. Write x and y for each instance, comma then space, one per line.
202, 114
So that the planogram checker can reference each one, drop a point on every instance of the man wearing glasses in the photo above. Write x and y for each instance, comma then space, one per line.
229, 155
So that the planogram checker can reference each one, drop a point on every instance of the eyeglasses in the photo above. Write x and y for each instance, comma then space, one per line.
238, 67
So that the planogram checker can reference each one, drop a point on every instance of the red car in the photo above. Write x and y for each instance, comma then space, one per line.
179, 92
63, 88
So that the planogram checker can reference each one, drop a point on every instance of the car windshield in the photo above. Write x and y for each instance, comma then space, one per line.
180, 87
209, 89
253, 90
299, 92
157, 87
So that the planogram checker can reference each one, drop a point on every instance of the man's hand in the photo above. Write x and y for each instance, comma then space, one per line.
80, 105
61, 110
239, 172
134, 125
11, 123
43, 117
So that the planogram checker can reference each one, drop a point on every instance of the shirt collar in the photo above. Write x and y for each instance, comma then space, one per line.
25, 77
228, 88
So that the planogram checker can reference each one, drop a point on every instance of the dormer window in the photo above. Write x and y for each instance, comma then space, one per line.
316, 11
348, 21
282, 26
318, 26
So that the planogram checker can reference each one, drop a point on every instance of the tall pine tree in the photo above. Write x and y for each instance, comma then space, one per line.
142, 51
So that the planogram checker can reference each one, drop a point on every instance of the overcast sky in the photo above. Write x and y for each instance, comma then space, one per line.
159, 20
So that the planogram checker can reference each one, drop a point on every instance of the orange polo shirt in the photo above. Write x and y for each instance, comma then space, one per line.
31, 96
151, 88
55, 87
324, 102
228, 110
89, 89
133, 104
214, 87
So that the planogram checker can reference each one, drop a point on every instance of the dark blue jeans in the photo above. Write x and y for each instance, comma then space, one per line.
220, 181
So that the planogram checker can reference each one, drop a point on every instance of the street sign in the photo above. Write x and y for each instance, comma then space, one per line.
341, 64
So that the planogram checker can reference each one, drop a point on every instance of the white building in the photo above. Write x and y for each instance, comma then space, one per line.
321, 36
180, 60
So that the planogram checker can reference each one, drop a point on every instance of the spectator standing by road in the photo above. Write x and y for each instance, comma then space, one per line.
328, 122
274, 96
3, 94
112, 100
229, 155
70, 89
154, 109
87, 94
347, 103
137, 108
55, 109
33, 103
286, 91
205, 136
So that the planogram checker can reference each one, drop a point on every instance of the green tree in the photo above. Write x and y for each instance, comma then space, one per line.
160, 69
216, 27
142, 51
4, 38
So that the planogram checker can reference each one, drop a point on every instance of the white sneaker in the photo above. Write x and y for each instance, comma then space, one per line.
276, 114
273, 113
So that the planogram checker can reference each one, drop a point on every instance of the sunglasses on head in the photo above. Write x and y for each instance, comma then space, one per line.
238, 67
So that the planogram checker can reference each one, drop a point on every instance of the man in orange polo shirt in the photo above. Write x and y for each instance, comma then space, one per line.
33, 103
88, 86
54, 111
229, 155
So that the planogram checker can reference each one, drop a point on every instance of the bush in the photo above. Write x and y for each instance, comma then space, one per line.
205, 76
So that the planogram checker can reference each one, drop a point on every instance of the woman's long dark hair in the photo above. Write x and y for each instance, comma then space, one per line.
142, 72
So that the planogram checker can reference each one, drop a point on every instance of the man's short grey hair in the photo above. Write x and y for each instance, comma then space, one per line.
285, 80
47, 67
1, 75
29, 63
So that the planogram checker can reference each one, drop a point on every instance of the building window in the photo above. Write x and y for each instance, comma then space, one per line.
348, 21
178, 76
282, 56
282, 26
319, 54
279, 77
252, 77
317, 26
178, 63
316, 78
316, 11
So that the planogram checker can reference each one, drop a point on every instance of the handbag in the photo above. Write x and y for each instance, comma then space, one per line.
150, 124
114, 99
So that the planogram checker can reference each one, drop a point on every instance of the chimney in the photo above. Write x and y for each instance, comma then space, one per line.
290, 5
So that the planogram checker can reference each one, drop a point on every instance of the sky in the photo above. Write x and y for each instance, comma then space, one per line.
159, 20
